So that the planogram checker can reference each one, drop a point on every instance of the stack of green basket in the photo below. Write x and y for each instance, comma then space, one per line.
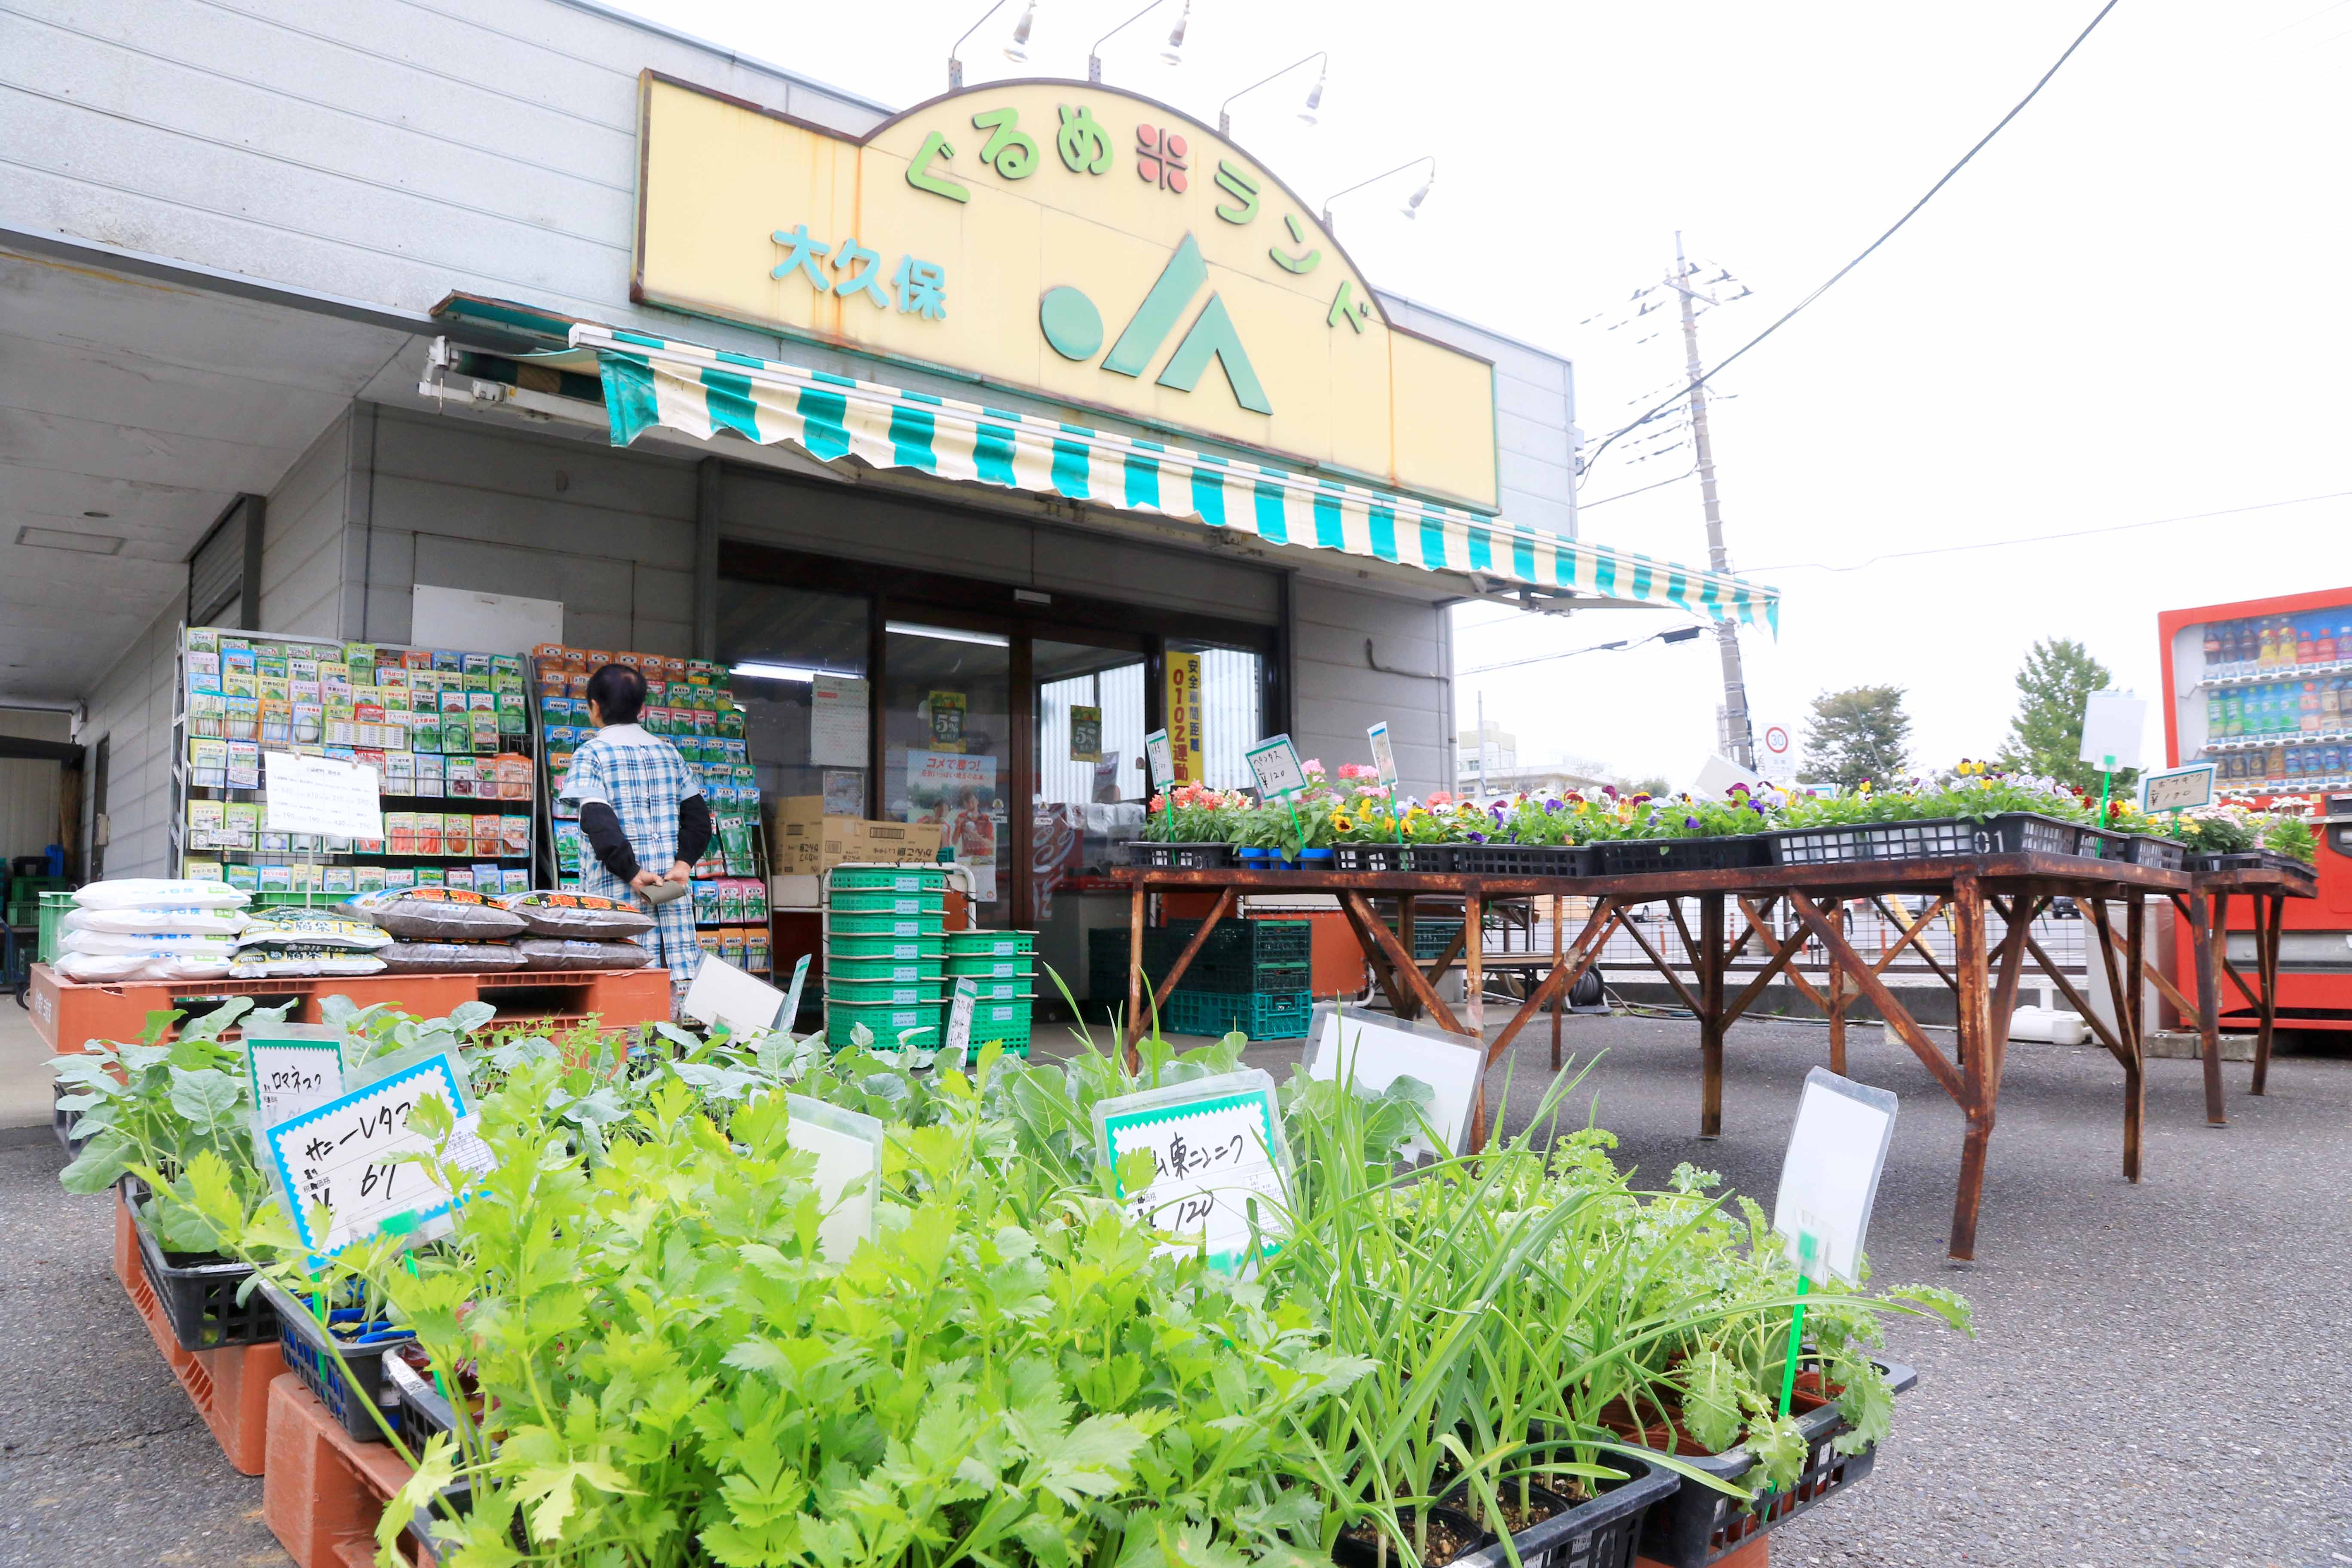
886, 954
1001, 967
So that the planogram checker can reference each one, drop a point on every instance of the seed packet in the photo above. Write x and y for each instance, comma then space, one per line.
432, 773
458, 877
203, 824
755, 900
485, 729
425, 836
706, 903
308, 723
487, 878
243, 878
276, 878
514, 835
244, 764
204, 672
399, 774
514, 880
207, 763
399, 877
272, 843
456, 735
337, 880
428, 877
240, 717
240, 824
204, 639
205, 711
367, 879
196, 871
460, 775
730, 945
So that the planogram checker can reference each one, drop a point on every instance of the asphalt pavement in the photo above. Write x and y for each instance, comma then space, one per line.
2162, 1373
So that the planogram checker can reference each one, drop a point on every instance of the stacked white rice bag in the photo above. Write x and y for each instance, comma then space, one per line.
152, 928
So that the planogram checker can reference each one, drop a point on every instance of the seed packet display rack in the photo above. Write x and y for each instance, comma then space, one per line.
217, 744
738, 929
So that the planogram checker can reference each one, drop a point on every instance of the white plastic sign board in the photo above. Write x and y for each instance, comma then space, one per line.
848, 1150
320, 795
1217, 1154
1830, 1179
2177, 789
1372, 1055
967, 993
837, 723
790, 1016
2112, 723
486, 623
340, 1156
1275, 763
1383, 754
291, 1068
1776, 746
1162, 758
1718, 774
722, 994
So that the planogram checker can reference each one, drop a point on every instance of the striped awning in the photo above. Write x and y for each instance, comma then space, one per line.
654, 382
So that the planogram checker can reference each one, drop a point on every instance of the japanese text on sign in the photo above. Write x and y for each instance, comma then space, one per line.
291, 1072
922, 285
1183, 709
1275, 763
320, 794
1217, 1160
344, 1156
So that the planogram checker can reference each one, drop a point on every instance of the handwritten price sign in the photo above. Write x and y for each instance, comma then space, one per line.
1216, 1151
292, 1068
343, 1156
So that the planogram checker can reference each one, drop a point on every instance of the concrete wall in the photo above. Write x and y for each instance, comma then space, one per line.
132, 704
1337, 696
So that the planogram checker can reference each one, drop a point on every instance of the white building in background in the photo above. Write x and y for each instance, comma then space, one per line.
1481, 752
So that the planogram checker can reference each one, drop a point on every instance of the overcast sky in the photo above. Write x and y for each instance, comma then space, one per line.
2132, 306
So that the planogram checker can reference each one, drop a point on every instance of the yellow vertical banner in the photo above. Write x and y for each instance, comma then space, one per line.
1184, 717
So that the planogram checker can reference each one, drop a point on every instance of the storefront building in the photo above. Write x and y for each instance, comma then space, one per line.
1029, 419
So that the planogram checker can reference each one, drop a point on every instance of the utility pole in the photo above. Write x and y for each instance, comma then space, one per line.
1727, 633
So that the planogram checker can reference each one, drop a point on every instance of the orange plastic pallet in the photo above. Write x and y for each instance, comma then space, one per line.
323, 1493
1756, 1553
69, 1014
229, 1388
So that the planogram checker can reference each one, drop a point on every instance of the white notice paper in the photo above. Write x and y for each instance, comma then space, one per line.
1375, 1054
837, 723
848, 1150
1830, 1179
1216, 1146
2112, 723
320, 794
340, 1155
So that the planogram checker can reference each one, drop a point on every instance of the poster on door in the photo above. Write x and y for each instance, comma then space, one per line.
1183, 706
958, 792
1085, 734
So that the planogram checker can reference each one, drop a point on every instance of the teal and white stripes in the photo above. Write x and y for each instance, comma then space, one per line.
699, 391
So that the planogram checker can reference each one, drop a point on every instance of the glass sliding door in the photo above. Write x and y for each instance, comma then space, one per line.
1227, 711
1088, 720
946, 745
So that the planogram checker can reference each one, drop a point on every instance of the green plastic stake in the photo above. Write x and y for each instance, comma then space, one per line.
2106, 784
1805, 1245
1288, 804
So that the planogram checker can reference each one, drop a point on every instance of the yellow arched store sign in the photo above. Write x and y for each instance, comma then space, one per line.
1065, 239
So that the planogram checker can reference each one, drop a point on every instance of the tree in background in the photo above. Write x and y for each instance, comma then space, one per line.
1856, 734
2046, 736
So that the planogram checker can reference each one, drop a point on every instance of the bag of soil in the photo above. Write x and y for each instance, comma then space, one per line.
555, 953
449, 957
279, 958
583, 917
312, 927
437, 915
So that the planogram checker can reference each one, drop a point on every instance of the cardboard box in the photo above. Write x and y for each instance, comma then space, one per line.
902, 841
805, 848
802, 808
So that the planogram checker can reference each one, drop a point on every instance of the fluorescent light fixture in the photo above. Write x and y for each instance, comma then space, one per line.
78, 542
947, 633
753, 669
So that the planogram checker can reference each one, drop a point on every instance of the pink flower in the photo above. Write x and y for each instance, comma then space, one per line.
1441, 798
1312, 765
1358, 771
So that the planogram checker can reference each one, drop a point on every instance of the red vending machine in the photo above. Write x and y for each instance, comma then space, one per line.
2262, 690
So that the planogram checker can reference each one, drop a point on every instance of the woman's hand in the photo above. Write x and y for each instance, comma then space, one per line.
679, 871
645, 879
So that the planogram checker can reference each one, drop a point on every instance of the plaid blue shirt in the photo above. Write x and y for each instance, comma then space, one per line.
645, 781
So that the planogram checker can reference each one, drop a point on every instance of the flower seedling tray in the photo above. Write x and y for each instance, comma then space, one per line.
2252, 860
1392, 857
311, 1354
1598, 1533
198, 1294
2103, 844
1180, 857
1636, 857
1526, 859
2030, 833
2163, 854
1696, 1525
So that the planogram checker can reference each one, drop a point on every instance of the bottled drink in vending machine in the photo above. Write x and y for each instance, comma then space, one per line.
2307, 708
2266, 643
2306, 647
2212, 649
2325, 638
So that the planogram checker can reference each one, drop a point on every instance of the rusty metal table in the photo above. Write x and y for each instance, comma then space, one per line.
1984, 977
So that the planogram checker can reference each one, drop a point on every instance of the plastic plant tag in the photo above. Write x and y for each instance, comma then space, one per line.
1373, 1054
967, 991
1221, 1167
790, 1016
1383, 754
1162, 757
1830, 1179
2177, 789
1274, 761
848, 1150
291, 1067
342, 1156
2112, 723
722, 994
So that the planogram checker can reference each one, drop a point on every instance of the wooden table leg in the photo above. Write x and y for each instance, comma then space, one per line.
2128, 1013
1839, 998
1405, 937
1972, 994
2269, 919
1474, 961
1135, 975
1560, 1007
1710, 954
2208, 1003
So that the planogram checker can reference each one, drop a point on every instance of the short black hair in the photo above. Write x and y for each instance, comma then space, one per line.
618, 692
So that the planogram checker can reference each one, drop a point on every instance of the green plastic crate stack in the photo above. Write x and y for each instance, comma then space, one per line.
886, 954
1003, 967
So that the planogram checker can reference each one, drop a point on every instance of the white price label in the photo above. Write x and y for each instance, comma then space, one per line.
1162, 758
967, 991
342, 1156
1217, 1155
1275, 763
1383, 754
293, 1073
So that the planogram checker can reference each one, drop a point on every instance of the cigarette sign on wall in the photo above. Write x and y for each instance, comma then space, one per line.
1184, 717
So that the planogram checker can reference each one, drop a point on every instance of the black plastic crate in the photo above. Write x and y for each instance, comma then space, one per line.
1180, 857
1394, 856
1636, 857
418, 1412
1817, 845
1526, 859
2029, 833
1600, 1533
2162, 854
1695, 1525
1431, 935
2252, 860
311, 1357
197, 1292
2103, 844
1253, 942
1259, 1014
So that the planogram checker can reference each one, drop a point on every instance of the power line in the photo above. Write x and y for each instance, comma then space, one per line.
1673, 634
2046, 538
1873, 245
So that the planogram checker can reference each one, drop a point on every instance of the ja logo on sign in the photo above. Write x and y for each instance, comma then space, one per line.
1074, 328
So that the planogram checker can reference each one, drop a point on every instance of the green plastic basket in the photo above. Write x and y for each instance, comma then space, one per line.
884, 925
929, 949
1015, 968
889, 879
887, 901
990, 943
885, 993
887, 1023
894, 971
54, 908
1007, 988
1013, 1034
